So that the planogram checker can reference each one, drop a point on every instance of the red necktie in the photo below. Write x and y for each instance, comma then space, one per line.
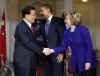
32, 29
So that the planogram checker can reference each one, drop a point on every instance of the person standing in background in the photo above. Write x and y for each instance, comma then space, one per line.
52, 29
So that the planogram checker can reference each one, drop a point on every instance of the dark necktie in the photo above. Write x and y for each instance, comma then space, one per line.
47, 27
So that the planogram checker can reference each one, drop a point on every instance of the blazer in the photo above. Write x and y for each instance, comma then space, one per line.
81, 48
55, 32
26, 49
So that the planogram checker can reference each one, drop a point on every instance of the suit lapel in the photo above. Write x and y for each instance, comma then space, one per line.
51, 24
42, 26
29, 30
52, 20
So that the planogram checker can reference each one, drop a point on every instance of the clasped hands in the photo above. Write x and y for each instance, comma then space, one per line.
48, 51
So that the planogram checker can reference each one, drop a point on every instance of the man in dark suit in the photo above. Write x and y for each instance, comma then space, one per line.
26, 49
52, 30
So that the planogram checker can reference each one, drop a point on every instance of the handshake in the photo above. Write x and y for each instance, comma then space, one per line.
48, 51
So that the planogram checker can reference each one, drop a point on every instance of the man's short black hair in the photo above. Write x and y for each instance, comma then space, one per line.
27, 10
47, 6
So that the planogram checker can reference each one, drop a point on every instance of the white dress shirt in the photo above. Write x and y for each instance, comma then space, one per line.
50, 18
28, 23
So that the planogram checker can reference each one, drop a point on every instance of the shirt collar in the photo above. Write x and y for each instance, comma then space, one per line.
50, 18
29, 24
70, 27
67, 27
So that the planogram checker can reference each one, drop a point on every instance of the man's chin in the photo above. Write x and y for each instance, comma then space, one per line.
43, 16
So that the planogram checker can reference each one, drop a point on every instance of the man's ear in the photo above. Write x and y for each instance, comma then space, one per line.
26, 15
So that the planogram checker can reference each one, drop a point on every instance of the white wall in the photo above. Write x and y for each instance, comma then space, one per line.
2, 5
63, 5
12, 10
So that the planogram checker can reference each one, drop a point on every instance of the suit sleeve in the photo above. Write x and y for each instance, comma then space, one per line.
60, 30
62, 48
29, 44
89, 45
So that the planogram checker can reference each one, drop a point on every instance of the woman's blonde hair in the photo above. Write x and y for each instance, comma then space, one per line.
76, 16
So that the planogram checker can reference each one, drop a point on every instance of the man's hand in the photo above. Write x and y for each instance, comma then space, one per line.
45, 51
60, 58
87, 66
48, 51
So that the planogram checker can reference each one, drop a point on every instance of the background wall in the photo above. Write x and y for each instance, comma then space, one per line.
35, 3
12, 11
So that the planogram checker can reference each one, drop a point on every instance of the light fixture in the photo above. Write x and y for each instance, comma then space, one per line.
84, 1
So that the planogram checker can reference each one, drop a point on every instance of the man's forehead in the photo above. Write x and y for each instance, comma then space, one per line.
43, 8
33, 11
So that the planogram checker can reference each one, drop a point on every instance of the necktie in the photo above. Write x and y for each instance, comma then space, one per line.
32, 29
47, 26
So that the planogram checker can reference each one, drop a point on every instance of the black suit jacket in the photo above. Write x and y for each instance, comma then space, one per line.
55, 34
26, 49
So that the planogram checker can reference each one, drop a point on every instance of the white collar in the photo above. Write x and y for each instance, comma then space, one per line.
50, 18
72, 27
28, 23
67, 27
